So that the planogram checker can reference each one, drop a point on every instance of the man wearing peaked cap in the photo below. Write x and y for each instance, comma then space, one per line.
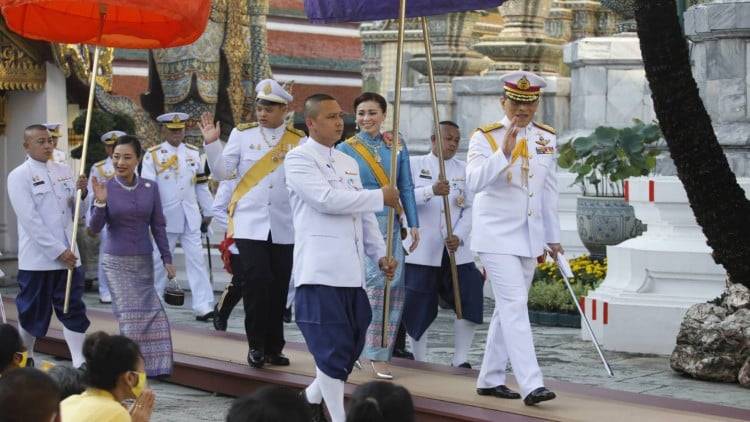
58, 156
183, 186
259, 217
103, 170
511, 167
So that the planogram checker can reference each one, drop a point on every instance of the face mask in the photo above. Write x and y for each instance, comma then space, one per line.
24, 358
138, 388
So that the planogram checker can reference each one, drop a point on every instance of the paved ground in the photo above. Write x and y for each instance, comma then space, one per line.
562, 355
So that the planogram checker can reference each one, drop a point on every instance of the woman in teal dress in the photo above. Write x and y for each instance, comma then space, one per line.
371, 149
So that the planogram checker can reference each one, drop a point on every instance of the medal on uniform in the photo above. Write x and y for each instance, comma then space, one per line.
460, 201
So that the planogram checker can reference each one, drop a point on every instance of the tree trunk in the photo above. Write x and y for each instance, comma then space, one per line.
718, 202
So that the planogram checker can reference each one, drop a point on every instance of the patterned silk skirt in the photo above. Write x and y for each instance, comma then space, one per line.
375, 288
138, 309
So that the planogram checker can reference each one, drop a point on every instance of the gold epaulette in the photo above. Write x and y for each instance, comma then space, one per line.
193, 147
544, 127
296, 131
154, 148
490, 127
100, 163
246, 126
201, 178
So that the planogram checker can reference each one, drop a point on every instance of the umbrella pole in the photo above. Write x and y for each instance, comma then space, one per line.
84, 152
394, 163
441, 160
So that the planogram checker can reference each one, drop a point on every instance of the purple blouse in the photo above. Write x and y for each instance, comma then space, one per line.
128, 216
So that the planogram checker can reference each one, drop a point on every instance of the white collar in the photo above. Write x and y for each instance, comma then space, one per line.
320, 148
172, 148
37, 165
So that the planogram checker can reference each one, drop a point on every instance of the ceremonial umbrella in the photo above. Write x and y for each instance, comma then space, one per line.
110, 23
326, 11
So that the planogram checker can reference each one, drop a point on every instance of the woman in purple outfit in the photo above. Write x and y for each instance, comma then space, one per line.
131, 208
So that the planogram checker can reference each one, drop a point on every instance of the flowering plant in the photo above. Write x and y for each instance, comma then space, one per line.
548, 291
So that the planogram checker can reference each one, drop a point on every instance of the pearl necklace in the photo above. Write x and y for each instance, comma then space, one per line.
128, 188
263, 135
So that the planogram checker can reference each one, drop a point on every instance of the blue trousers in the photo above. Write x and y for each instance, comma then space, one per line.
334, 322
43, 291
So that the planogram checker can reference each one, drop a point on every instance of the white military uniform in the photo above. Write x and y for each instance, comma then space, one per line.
512, 222
184, 196
327, 218
425, 170
42, 236
265, 208
58, 156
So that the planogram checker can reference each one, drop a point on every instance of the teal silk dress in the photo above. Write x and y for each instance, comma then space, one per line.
375, 280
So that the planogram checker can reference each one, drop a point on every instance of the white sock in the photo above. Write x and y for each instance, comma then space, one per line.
333, 393
313, 393
419, 347
75, 344
28, 340
463, 337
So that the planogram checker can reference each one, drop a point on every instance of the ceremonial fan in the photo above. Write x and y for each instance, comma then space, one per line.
138, 24
326, 11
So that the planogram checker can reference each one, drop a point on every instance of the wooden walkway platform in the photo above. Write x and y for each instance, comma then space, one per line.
215, 361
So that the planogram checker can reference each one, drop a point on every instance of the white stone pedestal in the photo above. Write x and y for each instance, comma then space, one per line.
416, 116
654, 278
608, 83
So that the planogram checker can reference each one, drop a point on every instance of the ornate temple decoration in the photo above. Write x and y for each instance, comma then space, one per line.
75, 59
21, 65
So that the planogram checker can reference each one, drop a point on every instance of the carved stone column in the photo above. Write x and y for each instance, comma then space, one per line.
450, 35
523, 43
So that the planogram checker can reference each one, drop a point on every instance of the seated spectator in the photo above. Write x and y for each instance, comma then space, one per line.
380, 401
28, 395
115, 372
13, 353
68, 379
269, 404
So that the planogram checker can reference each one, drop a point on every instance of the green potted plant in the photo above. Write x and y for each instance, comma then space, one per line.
602, 161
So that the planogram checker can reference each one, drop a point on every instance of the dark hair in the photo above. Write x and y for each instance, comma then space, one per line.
107, 357
133, 141
269, 103
379, 401
371, 96
269, 404
28, 395
10, 344
312, 102
449, 123
69, 380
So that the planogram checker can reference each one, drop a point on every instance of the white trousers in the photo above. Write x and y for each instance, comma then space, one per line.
509, 336
196, 267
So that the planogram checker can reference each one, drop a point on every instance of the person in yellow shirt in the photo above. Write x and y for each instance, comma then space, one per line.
115, 372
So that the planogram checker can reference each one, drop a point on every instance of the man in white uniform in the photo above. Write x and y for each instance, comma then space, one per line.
428, 272
42, 194
259, 215
104, 170
178, 169
58, 156
335, 227
512, 169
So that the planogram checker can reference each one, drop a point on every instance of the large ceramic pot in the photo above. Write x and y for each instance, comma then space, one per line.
605, 221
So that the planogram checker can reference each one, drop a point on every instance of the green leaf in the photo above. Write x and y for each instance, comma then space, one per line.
583, 146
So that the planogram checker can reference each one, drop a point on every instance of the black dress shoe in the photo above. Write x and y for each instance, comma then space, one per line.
537, 396
287, 315
256, 358
220, 322
205, 317
316, 409
500, 391
403, 353
277, 359
466, 365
